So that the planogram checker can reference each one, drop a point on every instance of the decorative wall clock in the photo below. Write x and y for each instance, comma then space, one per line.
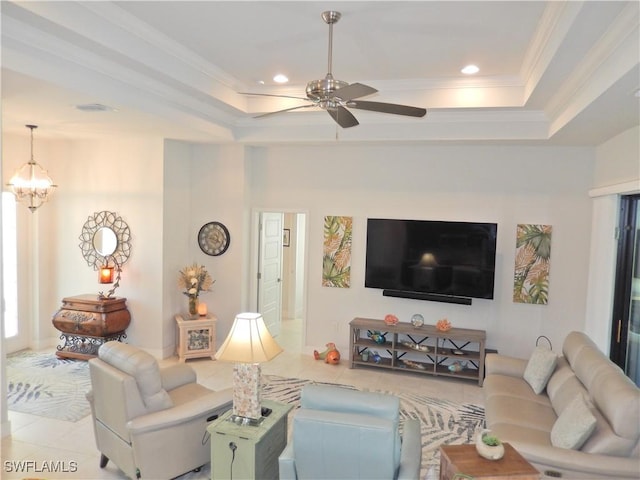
214, 238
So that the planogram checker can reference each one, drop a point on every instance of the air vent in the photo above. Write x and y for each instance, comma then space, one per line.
94, 107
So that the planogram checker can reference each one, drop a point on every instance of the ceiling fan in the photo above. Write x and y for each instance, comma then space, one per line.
335, 96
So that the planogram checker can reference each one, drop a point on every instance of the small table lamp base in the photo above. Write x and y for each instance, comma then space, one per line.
246, 390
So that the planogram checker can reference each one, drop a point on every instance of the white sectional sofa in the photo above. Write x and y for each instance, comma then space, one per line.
516, 414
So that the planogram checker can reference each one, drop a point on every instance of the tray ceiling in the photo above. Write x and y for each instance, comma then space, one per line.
550, 72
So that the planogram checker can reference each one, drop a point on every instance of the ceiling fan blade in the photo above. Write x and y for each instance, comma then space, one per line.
272, 95
285, 110
389, 108
355, 90
343, 117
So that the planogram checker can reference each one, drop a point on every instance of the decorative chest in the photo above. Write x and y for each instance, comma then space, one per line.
87, 321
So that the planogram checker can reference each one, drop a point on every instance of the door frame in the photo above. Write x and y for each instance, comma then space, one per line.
254, 256
627, 213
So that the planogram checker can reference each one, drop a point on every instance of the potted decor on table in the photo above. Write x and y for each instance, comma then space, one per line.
193, 280
489, 446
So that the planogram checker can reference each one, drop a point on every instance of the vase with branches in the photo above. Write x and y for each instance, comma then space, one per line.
193, 280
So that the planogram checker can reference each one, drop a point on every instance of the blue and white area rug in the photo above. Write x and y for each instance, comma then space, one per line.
442, 422
45, 385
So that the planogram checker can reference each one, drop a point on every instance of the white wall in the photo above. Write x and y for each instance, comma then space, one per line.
618, 160
123, 176
176, 233
120, 175
218, 193
166, 191
507, 185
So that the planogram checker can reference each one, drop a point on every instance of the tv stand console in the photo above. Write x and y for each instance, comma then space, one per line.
458, 352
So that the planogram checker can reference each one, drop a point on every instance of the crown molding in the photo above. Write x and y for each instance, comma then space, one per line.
557, 19
615, 53
441, 126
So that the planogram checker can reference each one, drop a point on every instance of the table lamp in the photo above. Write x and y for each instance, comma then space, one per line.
248, 344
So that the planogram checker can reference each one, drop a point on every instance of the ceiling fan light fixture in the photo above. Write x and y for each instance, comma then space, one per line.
334, 96
470, 69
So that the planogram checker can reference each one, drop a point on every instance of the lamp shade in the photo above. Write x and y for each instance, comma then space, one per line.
249, 341
105, 274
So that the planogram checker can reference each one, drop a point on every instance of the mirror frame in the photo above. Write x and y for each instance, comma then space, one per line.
118, 226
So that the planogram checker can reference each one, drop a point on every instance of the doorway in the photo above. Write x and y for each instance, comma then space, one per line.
281, 275
625, 336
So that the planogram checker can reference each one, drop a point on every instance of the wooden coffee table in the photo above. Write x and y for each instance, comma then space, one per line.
464, 459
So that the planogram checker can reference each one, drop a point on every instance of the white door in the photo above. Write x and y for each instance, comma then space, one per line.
270, 270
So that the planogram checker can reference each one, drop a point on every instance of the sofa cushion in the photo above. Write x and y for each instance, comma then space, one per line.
566, 393
539, 368
573, 343
561, 373
514, 387
360, 445
350, 401
574, 425
344, 399
618, 399
588, 363
518, 411
141, 366
604, 441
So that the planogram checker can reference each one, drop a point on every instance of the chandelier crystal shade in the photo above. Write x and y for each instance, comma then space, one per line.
31, 184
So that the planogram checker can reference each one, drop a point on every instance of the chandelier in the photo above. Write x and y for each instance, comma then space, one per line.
31, 184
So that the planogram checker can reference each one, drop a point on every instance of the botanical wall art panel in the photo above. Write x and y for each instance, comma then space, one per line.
336, 258
533, 254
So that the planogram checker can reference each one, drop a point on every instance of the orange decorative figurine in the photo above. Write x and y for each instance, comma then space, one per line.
331, 355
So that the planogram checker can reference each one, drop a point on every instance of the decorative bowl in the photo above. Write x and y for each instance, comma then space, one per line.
443, 325
417, 320
391, 319
490, 452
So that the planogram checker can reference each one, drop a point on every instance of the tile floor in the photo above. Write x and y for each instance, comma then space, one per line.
40, 442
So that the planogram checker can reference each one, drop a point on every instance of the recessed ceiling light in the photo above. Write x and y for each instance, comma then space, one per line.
470, 69
280, 78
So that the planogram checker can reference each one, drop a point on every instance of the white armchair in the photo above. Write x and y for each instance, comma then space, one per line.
339, 433
150, 422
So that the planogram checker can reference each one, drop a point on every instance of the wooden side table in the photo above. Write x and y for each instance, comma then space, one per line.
257, 448
196, 338
464, 459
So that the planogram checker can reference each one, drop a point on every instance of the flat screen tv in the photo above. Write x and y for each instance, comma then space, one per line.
433, 257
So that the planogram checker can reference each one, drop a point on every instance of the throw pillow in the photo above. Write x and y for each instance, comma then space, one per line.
574, 425
539, 368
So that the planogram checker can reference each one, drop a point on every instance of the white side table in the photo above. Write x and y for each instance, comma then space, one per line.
196, 338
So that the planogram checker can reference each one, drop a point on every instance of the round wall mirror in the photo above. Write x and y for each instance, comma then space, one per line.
105, 234
105, 241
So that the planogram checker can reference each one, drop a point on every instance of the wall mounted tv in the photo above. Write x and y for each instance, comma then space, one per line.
431, 260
